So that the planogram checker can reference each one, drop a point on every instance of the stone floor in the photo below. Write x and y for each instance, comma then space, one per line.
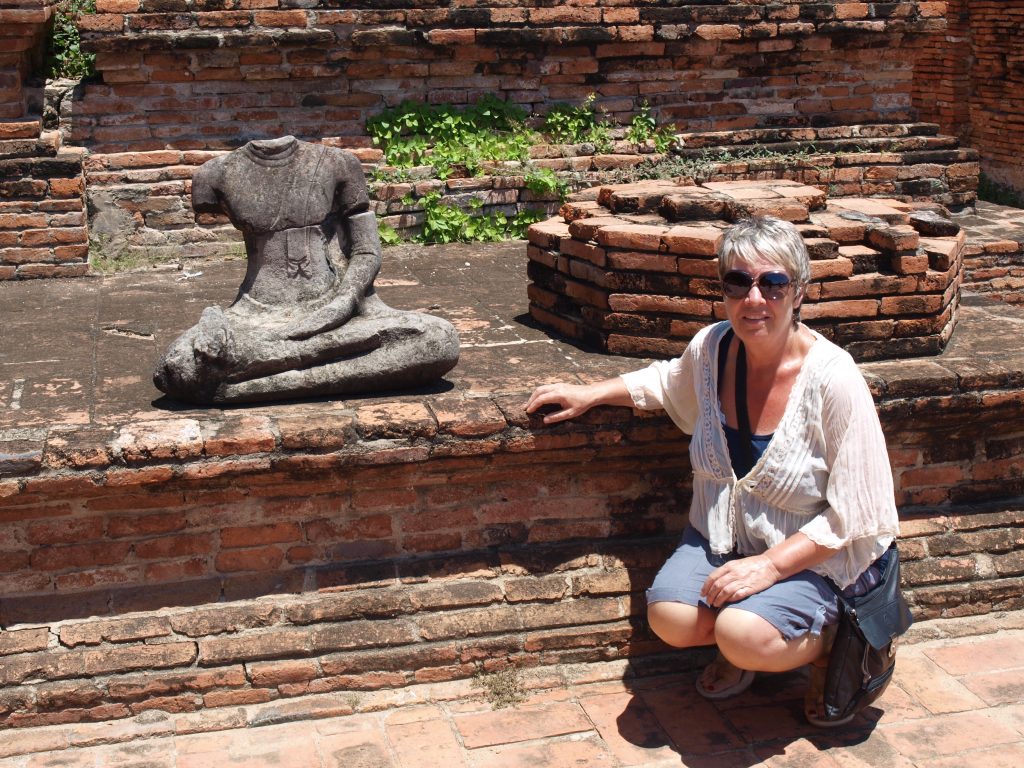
989, 222
956, 703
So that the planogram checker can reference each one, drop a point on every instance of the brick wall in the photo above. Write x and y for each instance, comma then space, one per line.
969, 79
23, 26
174, 75
401, 542
432, 622
140, 204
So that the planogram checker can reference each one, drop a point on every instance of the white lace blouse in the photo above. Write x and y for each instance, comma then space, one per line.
825, 471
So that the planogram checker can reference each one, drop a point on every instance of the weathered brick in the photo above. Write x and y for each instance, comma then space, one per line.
265, 674
215, 620
24, 640
252, 646
114, 631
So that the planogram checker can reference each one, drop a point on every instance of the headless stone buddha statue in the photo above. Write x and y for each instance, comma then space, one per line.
306, 320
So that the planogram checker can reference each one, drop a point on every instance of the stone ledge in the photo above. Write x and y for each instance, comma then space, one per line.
219, 443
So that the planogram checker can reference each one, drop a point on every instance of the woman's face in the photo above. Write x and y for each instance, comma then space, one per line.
756, 318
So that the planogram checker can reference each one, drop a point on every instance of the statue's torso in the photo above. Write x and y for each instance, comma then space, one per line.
287, 203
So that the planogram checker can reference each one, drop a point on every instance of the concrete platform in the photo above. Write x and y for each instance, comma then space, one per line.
955, 703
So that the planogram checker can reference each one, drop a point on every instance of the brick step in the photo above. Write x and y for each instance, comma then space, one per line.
818, 147
777, 135
28, 128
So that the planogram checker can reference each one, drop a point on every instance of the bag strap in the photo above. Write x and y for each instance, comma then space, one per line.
890, 566
742, 415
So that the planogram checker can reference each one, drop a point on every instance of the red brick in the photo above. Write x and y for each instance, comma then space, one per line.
840, 309
259, 559
236, 698
389, 420
262, 534
650, 303
114, 631
245, 435
80, 556
145, 525
65, 531
468, 417
275, 673
394, 498
646, 262
169, 547
910, 305
24, 640
910, 264
118, 659
631, 236
937, 475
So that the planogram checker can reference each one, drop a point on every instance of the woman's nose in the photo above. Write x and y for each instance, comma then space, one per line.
750, 295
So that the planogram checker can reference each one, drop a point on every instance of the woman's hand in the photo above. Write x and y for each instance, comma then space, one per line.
572, 400
576, 399
739, 579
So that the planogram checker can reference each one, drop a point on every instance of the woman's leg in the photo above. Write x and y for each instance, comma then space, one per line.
685, 626
751, 642
681, 625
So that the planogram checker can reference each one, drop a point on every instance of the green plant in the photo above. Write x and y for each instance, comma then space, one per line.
544, 182
64, 55
451, 139
569, 124
388, 234
446, 223
502, 689
644, 128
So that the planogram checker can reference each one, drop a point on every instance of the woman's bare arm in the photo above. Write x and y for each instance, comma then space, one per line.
574, 400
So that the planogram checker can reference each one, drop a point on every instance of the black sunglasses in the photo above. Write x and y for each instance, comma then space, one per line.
773, 285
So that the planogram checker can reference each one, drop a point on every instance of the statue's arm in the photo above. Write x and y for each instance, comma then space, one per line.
363, 265
205, 182
364, 258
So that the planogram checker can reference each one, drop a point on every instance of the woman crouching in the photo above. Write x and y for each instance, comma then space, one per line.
792, 485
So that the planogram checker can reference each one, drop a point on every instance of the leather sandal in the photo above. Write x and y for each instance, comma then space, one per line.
745, 679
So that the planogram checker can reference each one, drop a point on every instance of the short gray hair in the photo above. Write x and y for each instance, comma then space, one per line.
768, 238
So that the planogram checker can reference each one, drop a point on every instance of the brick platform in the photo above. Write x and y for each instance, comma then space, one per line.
184, 559
634, 271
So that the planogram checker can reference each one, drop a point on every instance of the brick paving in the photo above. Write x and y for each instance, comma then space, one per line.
956, 702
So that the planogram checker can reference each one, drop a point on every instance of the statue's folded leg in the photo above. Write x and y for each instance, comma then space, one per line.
420, 351
222, 349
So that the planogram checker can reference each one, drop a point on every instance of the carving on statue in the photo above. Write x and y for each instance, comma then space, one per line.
306, 320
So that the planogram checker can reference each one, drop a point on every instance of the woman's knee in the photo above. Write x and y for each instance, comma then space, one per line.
752, 642
680, 625
742, 635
